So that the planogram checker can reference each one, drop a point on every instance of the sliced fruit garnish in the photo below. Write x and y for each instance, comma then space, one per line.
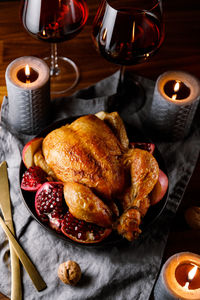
81, 231
49, 204
29, 150
33, 178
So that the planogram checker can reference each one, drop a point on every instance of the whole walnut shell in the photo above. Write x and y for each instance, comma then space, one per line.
69, 272
192, 216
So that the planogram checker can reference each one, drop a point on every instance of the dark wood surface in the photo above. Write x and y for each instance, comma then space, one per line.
180, 51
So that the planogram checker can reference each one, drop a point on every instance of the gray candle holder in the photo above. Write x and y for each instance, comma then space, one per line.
29, 107
172, 119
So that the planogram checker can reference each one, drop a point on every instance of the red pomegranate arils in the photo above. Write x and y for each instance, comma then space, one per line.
82, 231
49, 203
33, 178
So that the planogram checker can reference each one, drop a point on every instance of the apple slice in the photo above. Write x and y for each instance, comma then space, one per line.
29, 150
159, 189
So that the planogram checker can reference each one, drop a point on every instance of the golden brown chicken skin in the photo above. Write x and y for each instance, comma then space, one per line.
92, 157
87, 152
85, 205
144, 172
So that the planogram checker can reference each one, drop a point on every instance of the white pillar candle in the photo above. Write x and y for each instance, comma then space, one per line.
179, 278
173, 107
28, 94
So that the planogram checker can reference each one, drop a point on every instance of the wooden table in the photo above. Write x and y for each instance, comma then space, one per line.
180, 51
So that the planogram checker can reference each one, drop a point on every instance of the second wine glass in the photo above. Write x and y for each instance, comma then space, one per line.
56, 21
127, 32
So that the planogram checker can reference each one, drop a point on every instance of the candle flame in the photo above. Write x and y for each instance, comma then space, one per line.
43, 32
27, 70
192, 273
133, 32
104, 36
177, 86
174, 97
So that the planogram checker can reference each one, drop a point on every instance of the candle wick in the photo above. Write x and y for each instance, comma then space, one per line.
28, 79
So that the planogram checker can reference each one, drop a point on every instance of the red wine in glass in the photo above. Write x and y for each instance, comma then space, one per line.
128, 32
55, 21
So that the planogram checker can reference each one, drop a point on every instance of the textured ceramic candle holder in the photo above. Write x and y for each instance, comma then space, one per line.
29, 108
167, 286
172, 118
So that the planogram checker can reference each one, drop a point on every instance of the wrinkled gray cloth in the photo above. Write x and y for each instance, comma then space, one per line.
124, 271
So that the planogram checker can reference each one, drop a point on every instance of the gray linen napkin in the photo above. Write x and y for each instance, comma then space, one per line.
124, 271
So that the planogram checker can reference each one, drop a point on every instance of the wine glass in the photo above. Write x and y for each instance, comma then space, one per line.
55, 21
128, 32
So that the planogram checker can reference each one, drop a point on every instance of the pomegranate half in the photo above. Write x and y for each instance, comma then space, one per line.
33, 178
49, 204
81, 231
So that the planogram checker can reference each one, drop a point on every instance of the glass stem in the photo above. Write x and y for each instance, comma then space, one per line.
54, 69
121, 79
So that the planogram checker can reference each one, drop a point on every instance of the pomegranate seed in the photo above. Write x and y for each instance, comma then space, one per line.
48, 206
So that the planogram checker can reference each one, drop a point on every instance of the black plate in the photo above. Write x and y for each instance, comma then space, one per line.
151, 216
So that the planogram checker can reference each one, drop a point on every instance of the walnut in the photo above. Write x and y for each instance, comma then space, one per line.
192, 216
69, 272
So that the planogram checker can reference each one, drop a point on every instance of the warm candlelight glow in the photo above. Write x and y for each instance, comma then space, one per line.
104, 34
133, 32
180, 277
174, 97
27, 74
27, 70
176, 89
190, 277
192, 273
177, 86
186, 285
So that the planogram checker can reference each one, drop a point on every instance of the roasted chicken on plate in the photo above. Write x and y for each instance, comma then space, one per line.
107, 181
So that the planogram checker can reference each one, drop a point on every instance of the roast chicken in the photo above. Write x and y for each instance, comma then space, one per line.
105, 182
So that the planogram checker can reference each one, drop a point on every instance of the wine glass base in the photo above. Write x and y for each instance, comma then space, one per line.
130, 95
65, 77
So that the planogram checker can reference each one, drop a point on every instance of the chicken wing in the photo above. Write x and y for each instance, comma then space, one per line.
114, 121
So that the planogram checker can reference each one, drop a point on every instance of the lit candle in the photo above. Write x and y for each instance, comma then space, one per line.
27, 75
175, 100
178, 87
179, 278
176, 90
28, 86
